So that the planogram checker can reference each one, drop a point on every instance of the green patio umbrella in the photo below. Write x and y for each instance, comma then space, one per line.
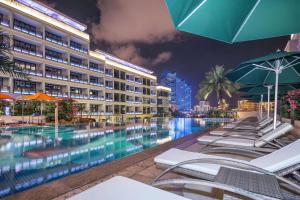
276, 68
267, 89
235, 20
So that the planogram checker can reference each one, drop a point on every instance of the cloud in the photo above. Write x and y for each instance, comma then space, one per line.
133, 54
162, 58
127, 21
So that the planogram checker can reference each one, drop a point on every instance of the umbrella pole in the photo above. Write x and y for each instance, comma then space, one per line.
261, 105
269, 88
277, 71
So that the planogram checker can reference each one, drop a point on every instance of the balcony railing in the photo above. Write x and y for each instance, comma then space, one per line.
101, 112
109, 99
24, 30
25, 51
60, 60
24, 91
82, 50
79, 96
4, 88
101, 84
82, 65
4, 22
57, 94
55, 76
79, 81
61, 43
97, 70
101, 98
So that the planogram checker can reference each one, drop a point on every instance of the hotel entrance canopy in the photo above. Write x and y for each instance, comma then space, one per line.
235, 20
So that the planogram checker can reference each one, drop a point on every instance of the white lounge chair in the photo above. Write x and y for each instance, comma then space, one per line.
244, 141
278, 163
120, 187
230, 132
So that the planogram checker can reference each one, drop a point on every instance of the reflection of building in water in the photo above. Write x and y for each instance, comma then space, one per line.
80, 150
180, 127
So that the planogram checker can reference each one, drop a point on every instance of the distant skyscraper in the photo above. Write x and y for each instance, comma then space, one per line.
181, 96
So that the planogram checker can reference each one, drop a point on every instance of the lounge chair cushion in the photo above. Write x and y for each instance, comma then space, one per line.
226, 141
175, 156
120, 187
270, 136
280, 159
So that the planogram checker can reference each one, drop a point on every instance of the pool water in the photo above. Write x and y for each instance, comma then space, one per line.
35, 155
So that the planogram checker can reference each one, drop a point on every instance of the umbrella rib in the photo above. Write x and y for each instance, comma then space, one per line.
266, 77
246, 74
189, 15
246, 20
263, 67
290, 64
269, 63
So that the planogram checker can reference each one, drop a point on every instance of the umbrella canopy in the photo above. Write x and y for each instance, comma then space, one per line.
276, 68
260, 89
5, 97
39, 97
235, 20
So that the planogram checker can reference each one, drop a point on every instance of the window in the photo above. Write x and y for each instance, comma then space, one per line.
94, 66
75, 60
122, 75
24, 86
75, 76
116, 74
94, 80
53, 71
25, 66
76, 91
75, 45
53, 54
94, 108
24, 45
23, 26
52, 36
94, 93
53, 89
122, 86
116, 85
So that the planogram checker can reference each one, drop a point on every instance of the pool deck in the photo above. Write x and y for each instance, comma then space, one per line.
139, 166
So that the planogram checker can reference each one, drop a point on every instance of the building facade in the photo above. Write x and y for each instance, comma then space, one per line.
54, 50
163, 98
181, 93
202, 108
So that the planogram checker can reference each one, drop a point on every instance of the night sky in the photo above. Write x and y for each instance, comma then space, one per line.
141, 32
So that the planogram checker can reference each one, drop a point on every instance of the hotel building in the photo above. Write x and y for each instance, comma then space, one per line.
163, 98
54, 50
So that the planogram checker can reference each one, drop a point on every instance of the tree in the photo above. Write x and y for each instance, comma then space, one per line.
7, 65
216, 81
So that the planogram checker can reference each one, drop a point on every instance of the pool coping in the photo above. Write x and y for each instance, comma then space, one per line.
72, 182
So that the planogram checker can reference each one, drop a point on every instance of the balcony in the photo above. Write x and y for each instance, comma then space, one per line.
4, 89
78, 96
75, 80
80, 65
101, 84
78, 47
99, 97
61, 43
108, 73
24, 91
27, 28
27, 51
32, 72
57, 94
101, 112
56, 76
4, 20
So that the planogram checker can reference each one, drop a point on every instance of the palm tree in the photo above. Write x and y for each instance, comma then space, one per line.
216, 81
7, 65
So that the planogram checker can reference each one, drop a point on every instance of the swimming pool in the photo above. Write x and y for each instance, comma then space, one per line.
39, 154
